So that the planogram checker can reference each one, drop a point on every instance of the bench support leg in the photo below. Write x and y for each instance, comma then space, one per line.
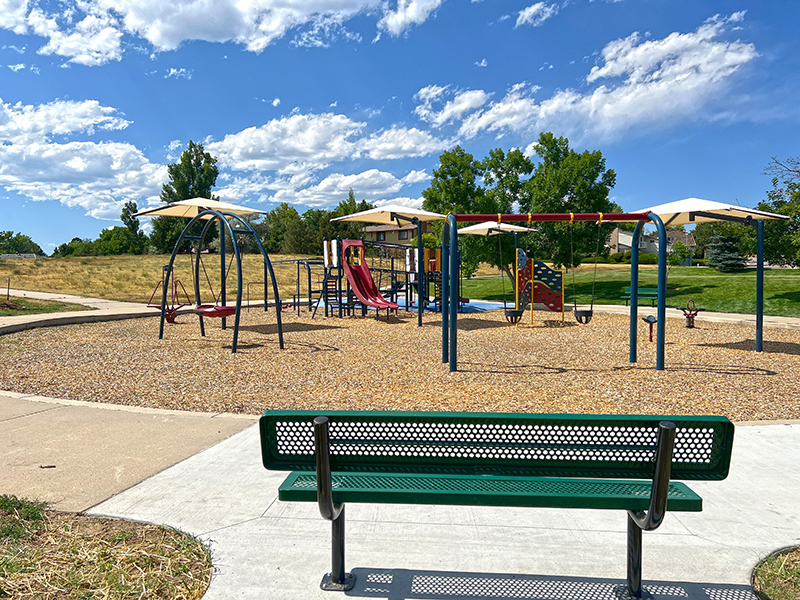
337, 580
634, 572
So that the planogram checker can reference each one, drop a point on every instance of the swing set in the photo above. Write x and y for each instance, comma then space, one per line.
583, 315
219, 308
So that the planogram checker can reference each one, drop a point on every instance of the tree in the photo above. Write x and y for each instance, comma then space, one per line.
454, 188
193, 176
706, 233
565, 181
782, 238
678, 255
18, 243
724, 255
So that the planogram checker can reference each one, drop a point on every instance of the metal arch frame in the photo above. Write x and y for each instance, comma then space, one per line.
223, 217
450, 266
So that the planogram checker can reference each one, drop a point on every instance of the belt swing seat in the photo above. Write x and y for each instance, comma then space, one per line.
583, 316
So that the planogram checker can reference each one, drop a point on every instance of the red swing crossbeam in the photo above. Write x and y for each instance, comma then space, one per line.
534, 217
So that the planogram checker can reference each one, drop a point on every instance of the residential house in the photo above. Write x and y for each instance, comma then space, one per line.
392, 234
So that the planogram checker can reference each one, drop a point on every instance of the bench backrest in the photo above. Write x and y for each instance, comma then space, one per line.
595, 446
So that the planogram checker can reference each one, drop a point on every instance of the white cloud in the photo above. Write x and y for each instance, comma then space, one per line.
179, 73
276, 102
290, 144
407, 13
400, 142
17, 67
416, 177
91, 32
27, 123
172, 149
370, 185
461, 104
681, 76
98, 177
402, 201
482, 63
536, 14
16, 49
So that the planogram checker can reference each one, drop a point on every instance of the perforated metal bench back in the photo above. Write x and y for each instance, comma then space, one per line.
493, 443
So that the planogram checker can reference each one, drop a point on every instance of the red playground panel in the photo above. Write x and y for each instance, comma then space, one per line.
359, 277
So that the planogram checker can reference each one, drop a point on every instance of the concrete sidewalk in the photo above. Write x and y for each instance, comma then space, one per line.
264, 548
102, 310
77, 454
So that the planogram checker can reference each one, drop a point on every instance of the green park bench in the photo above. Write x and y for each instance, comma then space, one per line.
621, 462
644, 294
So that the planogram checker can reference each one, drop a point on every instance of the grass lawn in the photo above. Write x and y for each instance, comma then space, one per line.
713, 291
28, 306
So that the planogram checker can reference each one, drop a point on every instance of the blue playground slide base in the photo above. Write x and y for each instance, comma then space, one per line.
471, 307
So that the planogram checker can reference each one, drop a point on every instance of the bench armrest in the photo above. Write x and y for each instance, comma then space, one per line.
327, 508
653, 517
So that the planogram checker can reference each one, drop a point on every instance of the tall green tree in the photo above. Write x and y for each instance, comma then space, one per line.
724, 254
782, 238
566, 181
455, 188
18, 243
193, 176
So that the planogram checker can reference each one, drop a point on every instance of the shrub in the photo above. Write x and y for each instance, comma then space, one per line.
648, 259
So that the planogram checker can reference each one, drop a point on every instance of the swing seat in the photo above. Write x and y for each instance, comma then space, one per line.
583, 316
514, 316
214, 310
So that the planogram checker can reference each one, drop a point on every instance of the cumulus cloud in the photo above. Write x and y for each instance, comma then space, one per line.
92, 31
276, 102
28, 123
371, 185
98, 177
536, 14
295, 143
641, 84
407, 13
401, 142
402, 201
17, 67
431, 97
179, 73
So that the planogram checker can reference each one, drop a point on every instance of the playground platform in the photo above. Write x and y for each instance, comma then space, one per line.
202, 473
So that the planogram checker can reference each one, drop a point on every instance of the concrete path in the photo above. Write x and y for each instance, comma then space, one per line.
264, 548
102, 310
77, 454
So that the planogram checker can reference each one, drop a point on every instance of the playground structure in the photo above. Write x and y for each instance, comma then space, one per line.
177, 295
219, 308
349, 282
537, 283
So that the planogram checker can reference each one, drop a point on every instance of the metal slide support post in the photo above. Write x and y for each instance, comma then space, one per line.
445, 269
454, 294
661, 313
759, 225
166, 272
637, 235
337, 579
639, 521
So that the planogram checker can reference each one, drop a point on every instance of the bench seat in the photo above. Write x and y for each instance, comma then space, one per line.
488, 490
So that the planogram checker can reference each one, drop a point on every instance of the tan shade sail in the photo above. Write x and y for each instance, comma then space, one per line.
488, 228
680, 212
387, 215
192, 207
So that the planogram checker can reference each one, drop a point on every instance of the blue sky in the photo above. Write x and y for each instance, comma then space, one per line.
301, 100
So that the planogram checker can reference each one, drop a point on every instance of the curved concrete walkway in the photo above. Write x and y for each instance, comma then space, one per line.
202, 473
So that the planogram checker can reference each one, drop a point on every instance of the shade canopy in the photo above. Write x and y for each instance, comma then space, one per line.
488, 228
194, 206
697, 210
388, 215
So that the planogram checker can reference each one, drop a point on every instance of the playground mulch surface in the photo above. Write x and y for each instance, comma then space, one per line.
368, 364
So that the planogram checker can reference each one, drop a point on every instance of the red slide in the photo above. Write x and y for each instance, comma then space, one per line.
357, 272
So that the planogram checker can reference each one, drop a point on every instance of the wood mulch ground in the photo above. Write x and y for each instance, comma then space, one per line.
361, 363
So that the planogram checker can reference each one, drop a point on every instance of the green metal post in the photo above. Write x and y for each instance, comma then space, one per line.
445, 266
760, 287
420, 276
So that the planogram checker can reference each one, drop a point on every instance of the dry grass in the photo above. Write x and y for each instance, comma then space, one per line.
133, 278
361, 363
75, 556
